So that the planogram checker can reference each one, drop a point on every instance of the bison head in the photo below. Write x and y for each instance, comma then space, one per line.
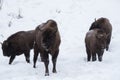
96, 24
101, 39
6, 48
48, 34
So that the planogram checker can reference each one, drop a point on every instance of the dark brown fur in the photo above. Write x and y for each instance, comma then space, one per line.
104, 24
19, 43
95, 42
47, 41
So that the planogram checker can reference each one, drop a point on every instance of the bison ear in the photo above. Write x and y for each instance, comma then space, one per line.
40, 29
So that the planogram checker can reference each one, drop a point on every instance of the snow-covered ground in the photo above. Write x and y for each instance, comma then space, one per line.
74, 18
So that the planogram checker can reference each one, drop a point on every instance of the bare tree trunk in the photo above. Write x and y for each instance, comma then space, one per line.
1, 3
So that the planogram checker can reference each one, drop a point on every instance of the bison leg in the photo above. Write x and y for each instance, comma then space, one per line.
36, 52
108, 42
88, 57
46, 68
11, 59
46, 63
100, 54
27, 56
35, 59
88, 54
93, 56
54, 59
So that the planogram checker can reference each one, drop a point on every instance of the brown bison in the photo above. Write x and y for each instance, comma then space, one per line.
95, 42
104, 24
47, 41
18, 43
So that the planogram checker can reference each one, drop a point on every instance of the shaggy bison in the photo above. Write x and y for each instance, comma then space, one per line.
95, 42
104, 24
18, 43
47, 41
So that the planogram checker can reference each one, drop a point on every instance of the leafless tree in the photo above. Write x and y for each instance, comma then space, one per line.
1, 3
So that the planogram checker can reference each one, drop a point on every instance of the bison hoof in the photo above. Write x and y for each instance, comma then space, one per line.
107, 48
28, 61
100, 60
94, 59
34, 66
54, 71
46, 74
10, 63
88, 60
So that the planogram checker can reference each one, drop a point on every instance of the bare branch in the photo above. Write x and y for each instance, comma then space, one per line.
19, 15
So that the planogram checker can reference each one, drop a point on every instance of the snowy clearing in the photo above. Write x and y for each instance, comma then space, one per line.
74, 18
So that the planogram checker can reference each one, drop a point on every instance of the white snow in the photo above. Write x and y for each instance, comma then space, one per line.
74, 18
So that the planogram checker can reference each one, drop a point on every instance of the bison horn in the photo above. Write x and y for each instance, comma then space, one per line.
40, 29
95, 19
42, 26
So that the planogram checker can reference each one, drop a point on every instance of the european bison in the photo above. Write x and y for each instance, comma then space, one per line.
95, 42
47, 41
18, 43
104, 24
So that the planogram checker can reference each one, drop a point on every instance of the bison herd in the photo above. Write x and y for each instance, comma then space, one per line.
45, 40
